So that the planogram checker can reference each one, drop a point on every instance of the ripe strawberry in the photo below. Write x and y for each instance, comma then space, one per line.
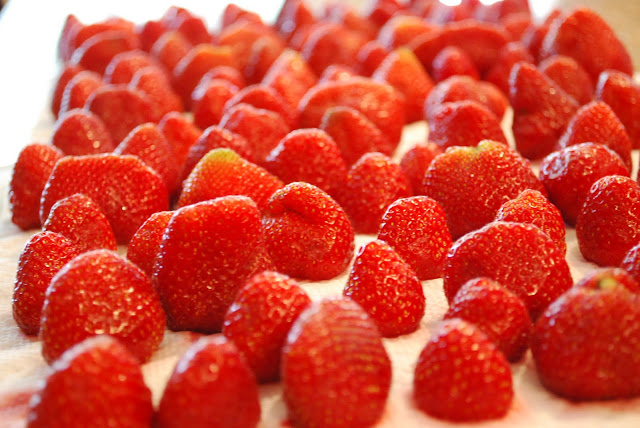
124, 66
534, 36
211, 386
85, 32
230, 74
369, 57
516, 24
240, 37
30, 174
149, 32
66, 41
608, 225
233, 13
500, 12
97, 51
291, 76
68, 73
331, 44
569, 173
351, 19
509, 55
86, 386
192, 27
156, 85
337, 73
609, 277
463, 181
631, 263
42, 257
531, 207
100, 292
170, 48
267, 98
623, 96
416, 161
145, 244
386, 287
330, 338
293, 15
518, 256
461, 376
380, 11
577, 346
541, 110
308, 155
373, 183
80, 132
509, 328
308, 234
570, 76
126, 190
401, 30
260, 318
78, 90
453, 61
180, 133
264, 52
441, 13
207, 253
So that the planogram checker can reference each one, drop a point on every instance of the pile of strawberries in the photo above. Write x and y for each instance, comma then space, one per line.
284, 157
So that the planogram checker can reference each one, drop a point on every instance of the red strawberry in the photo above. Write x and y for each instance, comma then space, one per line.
100, 292
85, 32
30, 174
386, 287
510, 54
570, 76
401, 30
370, 56
608, 225
569, 173
80, 132
532, 207
267, 98
126, 190
623, 96
190, 26
180, 133
233, 13
308, 155
461, 376
417, 230
453, 61
351, 19
42, 257
354, 134
293, 16
587, 38
534, 36
260, 318
207, 253
170, 48
337, 73
330, 338
87, 384
240, 37
578, 348
68, 73
145, 244
416, 161
155, 84
308, 234
149, 33
373, 183
380, 11
66, 41
541, 110
80, 219
223, 72
211, 386
124, 65
499, 12
519, 256
509, 328
291, 76
96, 52
464, 183
331, 44
631, 263
608, 277
441, 13
264, 52
78, 90
516, 24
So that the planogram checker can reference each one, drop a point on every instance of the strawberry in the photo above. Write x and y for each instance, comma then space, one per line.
85, 32
100, 292
570, 76
509, 55
516, 24
66, 41
68, 73
207, 253
534, 36
42, 257
532, 207
464, 183
587, 38
351, 19
211, 386
263, 53
303, 214
373, 183
416, 161
385, 286
170, 48
519, 256
369, 57
541, 110
260, 318
80, 132
452, 61
126, 190
623, 96
500, 12
329, 338
608, 225
331, 44
631, 263
417, 230
78, 90
461, 376
337, 73
30, 174
80, 219
577, 346
233, 13
149, 32
401, 30
354, 134
464, 123
293, 15
97, 51
87, 384
124, 65
308, 155
230, 74
192, 27
380, 11
267, 98
291, 76
240, 37
155, 84
607, 277
509, 328
145, 244
180, 133
262, 129
441, 13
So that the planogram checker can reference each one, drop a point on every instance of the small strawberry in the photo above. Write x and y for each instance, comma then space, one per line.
260, 318
370, 56
78, 90
42, 257
68, 73
330, 338
180, 133
608, 225
30, 174
386, 287
291, 76
518, 256
80, 132
401, 30
145, 244
208, 101
607, 277
453, 61
97, 52
100, 292
308, 234
416, 161
86, 386
623, 96
156, 85
267, 98
124, 66
508, 328
570, 76
170, 48
461, 376
511, 54
631, 262
211, 386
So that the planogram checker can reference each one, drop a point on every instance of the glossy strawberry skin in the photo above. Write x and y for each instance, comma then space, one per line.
570, 76
260, 318
609, 277
78, 90
197, 398
87, 383
623, 96
631, 262
308, 234
156, 86
124, 66
170, 48
100, 292
145, 243
180, 133
453, 61
291, 76
208, 101
329, 337
98, 51
267, 98
64, 78
80, 132
416, 161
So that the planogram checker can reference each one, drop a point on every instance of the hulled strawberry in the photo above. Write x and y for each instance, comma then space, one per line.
416, 161
570, 76
79, 132
145, 244
623, 96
